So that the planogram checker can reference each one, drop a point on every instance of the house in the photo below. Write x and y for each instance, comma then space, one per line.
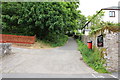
112, 14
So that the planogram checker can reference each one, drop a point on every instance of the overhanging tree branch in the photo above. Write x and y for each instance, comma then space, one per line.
91, 19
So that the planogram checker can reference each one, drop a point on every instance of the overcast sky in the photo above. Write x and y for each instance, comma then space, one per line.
89, 7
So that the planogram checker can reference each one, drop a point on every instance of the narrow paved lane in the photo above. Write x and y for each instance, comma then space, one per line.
70, 45
62, 61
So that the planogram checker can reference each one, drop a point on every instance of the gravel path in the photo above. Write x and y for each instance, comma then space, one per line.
61, 60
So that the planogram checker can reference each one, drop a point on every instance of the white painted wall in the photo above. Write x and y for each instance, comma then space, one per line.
106, 17
119, 13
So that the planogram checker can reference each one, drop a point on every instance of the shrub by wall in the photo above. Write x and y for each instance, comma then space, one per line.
92, 57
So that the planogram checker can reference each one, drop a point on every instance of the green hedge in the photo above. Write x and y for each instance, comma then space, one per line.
92, 57
55, 41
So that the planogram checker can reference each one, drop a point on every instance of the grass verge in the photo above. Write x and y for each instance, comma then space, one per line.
92, 57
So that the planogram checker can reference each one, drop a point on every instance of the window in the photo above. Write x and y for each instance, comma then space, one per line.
112, 14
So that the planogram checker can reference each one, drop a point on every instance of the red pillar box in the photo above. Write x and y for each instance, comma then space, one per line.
89, 44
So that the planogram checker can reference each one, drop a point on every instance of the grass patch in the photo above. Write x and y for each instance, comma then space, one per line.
92, 57
41, 44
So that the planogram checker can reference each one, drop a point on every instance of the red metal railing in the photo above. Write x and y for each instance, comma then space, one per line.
4, 38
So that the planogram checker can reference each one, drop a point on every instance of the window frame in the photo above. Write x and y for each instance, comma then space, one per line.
111, 13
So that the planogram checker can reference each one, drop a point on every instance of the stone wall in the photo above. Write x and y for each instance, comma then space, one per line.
111, 41
5, 48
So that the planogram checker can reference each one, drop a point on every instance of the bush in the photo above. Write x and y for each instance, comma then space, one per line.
54, 40
92, 57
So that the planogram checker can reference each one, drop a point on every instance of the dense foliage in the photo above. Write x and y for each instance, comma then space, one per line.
92, 57
111, 27
97, 22
111, 24
49, 21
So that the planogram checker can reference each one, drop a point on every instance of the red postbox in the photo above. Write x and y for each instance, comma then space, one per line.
89, 44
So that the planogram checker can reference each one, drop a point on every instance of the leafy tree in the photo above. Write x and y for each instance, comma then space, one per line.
49, 21
97, 22
82, 21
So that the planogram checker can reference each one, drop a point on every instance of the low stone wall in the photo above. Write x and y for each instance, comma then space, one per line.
5, 48
111, 42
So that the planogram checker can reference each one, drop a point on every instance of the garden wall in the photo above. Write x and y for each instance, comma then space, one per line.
111, 41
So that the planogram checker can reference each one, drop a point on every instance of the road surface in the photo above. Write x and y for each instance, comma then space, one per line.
58, 62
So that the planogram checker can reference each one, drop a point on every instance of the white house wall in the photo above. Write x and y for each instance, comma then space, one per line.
119, 16
106, 17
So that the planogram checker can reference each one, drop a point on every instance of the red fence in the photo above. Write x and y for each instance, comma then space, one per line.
17, 39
